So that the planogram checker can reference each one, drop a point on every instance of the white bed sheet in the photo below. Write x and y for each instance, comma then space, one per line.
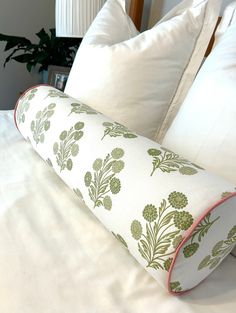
56, 257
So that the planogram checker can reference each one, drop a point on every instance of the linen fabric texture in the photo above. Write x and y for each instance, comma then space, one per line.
140, 79
174, 217
204, 129
49, 235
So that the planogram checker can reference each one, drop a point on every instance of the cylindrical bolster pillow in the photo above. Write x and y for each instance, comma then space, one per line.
175, 218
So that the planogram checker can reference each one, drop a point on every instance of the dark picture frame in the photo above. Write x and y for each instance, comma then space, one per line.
57, 76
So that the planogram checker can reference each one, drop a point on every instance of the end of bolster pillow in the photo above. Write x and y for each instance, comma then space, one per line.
175, 218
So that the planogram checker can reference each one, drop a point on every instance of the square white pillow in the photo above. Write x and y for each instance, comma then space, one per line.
134, 77
204, 130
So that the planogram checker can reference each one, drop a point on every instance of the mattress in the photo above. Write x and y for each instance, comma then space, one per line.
56, 257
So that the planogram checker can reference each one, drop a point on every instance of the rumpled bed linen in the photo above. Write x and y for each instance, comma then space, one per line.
56, 257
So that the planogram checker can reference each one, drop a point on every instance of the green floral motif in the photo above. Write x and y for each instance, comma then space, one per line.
189, 250
227, 193
187, 170
183, 220
49, 162
117, 153
42, 124
150, 213
167, 264
56, 93
175, 286
78, 194
103, 180
87, 179
136, 229
199, 232
156, 243
177, 241
232, 233
107, 203
68, 146
24, 105
115, 185
168, 161
178, 200
118, 166
220, 250
121, 239
97, 165
80, 108
115, 129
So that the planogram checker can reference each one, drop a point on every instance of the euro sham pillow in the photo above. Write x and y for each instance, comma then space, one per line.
135, 77
204, 130
175, 218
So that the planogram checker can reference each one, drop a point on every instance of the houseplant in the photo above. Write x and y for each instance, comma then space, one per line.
50, 50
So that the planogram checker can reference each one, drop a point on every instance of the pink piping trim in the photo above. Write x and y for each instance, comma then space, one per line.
189, 232
186, 238
23, 94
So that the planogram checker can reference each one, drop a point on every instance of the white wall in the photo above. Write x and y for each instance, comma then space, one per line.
161, 7
21, 18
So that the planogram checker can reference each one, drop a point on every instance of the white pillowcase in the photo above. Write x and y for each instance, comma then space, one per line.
228, 18
134, 77
204, 130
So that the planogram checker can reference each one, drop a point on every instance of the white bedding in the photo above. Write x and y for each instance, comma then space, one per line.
55, 257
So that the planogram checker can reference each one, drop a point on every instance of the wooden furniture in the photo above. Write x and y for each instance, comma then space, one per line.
136, 11
211, 43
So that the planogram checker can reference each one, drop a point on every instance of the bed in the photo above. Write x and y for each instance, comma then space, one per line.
56, 256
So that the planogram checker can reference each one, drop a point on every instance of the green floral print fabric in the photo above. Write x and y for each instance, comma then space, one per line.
199, 232
168, 161
79, 108
156, 239
219, 251
115, 130
68, 147
175, 286
42, 123
24, 104
103, 183
54, 93
151, 199
121, 239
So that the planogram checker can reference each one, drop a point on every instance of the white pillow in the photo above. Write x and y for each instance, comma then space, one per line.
133, 77
228, 19
204, 130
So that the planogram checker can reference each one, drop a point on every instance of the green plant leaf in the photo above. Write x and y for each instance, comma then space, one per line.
50, 50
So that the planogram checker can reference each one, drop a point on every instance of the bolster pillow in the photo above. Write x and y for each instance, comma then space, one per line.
175, 218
